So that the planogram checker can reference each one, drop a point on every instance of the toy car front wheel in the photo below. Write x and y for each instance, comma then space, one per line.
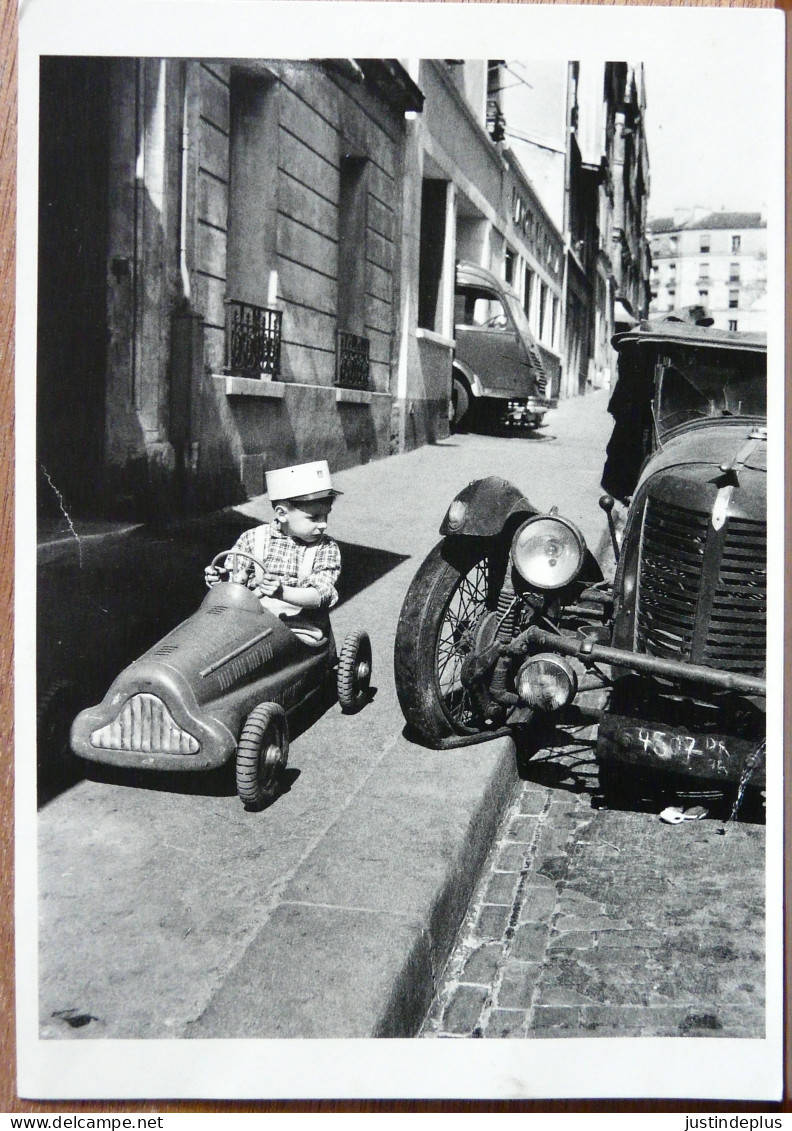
262, 754
354, 671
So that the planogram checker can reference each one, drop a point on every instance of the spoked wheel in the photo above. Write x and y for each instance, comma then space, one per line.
354, 672
452, 592
262, 754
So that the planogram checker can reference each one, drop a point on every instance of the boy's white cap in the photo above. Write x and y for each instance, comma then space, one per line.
303, 481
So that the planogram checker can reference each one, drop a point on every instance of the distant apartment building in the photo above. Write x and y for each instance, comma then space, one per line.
577, 129
714, 260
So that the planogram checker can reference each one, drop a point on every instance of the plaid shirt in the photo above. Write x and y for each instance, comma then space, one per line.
283, 558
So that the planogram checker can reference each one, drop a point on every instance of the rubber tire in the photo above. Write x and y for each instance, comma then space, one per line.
417, 633
56, 711
352, 685
262, 754
460, 402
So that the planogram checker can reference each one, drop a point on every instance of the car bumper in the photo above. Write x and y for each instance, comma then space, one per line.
589, 652
715, 757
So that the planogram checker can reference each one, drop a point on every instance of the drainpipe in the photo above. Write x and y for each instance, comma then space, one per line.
185, 150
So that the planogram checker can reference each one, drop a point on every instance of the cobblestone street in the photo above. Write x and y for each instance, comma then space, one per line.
590, 921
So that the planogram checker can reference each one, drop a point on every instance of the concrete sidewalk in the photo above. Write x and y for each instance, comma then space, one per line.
331, 913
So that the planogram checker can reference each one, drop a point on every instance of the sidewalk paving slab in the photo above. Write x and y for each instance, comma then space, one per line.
367, 922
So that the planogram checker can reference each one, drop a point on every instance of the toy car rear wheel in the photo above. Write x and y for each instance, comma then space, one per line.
354, 671
262, 754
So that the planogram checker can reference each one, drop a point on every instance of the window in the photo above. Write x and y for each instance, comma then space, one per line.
735, 244
352, 200
430, 260
252, 323
352, 345
734, 299
554, 327
480, 309
672, 242
703, 295
508, 266
542, 311
732, 323
703, 273
734, 272
704, 243
528, 292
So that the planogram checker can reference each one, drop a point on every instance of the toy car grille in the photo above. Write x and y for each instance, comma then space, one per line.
145, 725
702, 598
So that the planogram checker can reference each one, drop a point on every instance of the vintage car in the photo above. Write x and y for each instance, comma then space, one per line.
501, 375
221, 685
509, 613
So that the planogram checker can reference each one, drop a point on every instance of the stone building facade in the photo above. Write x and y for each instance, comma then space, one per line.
219, 285
250, 263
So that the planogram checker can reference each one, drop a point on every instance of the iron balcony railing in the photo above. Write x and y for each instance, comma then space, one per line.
352, 361
253, 340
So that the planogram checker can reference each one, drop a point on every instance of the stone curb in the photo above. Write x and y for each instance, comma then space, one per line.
361, 934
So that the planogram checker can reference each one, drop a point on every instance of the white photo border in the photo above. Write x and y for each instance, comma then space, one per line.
678, 1068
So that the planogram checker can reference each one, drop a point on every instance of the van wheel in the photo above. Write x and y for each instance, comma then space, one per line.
460, 403
262, 754
354, 672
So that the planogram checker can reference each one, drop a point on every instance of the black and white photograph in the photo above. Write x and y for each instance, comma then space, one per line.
400, 402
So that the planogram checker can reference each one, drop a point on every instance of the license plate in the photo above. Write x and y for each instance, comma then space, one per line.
701, 755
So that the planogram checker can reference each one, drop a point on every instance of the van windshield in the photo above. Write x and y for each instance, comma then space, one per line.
479, 308
693, 385
519, 316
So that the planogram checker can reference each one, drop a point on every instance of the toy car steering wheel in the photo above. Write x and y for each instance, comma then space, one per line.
235, 554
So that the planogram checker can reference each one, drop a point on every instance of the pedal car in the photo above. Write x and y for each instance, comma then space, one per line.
221, 685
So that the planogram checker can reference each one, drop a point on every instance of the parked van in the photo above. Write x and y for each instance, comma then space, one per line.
499, 373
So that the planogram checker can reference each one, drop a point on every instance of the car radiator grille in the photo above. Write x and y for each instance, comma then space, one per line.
682, 615
144, 725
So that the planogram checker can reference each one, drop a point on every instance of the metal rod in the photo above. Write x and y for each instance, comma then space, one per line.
588, 652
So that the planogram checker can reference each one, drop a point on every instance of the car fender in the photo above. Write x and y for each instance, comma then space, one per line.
470, 377
485, 508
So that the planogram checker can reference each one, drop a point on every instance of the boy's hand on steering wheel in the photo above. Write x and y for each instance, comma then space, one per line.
267, 586
212, 576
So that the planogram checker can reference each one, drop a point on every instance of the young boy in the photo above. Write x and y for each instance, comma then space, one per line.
301, 563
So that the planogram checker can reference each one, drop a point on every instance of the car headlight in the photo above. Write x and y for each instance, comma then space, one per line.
457, 513
546, 682
547, 552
